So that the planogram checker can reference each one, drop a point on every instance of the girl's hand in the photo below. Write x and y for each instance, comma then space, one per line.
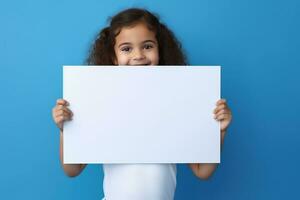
223, 114
61, 113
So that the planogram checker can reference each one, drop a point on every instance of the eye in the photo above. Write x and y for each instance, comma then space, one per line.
148, 46
126, 49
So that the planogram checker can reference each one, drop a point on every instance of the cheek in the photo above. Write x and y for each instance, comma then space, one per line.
154, 57
122, 60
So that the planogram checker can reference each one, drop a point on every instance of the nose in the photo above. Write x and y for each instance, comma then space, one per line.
138, 55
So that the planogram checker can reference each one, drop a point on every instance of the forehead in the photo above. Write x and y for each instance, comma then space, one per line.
137, 33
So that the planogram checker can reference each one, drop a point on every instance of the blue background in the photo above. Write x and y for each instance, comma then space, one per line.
257, 43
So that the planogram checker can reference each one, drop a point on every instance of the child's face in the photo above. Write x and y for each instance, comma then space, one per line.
136, 45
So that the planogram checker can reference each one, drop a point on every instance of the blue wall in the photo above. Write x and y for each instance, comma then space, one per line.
257, 43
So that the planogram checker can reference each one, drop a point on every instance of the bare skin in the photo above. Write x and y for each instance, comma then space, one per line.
223, 115
62, 113
137, 45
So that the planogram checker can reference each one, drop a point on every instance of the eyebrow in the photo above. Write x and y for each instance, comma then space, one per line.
128, 43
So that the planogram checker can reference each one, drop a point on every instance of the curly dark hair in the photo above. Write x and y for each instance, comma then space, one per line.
170, 49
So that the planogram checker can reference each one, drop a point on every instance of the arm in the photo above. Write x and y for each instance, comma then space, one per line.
205, 170
222, 114
72, 170
61, 113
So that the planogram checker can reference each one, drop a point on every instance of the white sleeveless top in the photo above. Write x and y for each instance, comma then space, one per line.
139, 181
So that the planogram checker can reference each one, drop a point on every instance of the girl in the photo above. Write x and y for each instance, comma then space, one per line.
136, 37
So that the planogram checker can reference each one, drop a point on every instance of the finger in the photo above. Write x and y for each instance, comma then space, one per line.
223, 111
221, 101
63, 112
222, 117
220, 107
61, 107
62, 102
63, 117
68, 111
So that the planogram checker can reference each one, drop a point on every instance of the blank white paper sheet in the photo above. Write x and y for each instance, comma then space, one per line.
141, 114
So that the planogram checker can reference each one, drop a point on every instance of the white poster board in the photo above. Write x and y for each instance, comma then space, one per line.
142, 114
